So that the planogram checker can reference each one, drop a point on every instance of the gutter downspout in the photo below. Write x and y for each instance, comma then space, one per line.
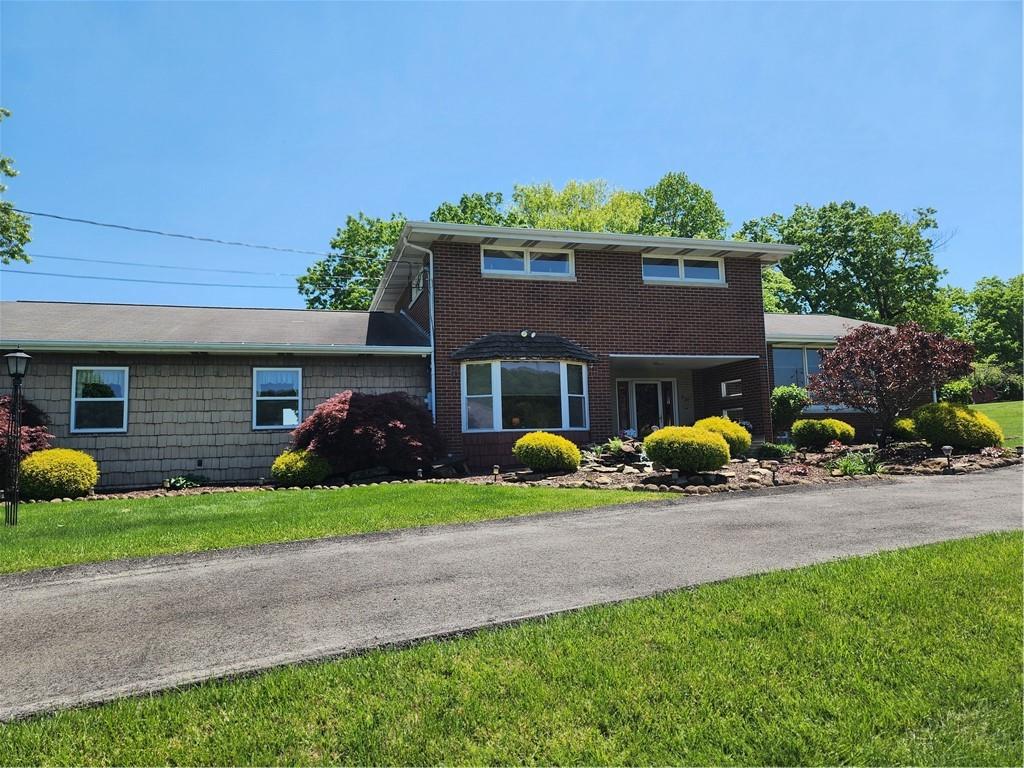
430, 307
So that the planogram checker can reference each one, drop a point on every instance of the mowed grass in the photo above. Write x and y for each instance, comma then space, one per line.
89, 531
1010, 416
910, 657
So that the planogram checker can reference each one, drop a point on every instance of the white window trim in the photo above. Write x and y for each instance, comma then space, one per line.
813, 408
725, 393
274, 397
725, 412
682, 279
527, 273
496, 396
631, 387
74, 399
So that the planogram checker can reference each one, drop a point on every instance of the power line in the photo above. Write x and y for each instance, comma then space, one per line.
138, 280
172, 234
162, 266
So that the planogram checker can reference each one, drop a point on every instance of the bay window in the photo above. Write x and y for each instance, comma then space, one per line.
524, 395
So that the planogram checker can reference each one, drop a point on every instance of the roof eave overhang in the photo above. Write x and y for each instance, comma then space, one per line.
801, 339
220, 348
424, 233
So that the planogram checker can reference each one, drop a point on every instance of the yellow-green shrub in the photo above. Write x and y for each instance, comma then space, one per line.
956, 425
544, 452
688, 449
817, 433
58, 473
299, 468
735, 435
904, 429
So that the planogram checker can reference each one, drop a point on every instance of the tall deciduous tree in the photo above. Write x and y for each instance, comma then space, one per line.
854, 262
15, 229
678, 207
777, 290
584, 206
885, 372
994, 311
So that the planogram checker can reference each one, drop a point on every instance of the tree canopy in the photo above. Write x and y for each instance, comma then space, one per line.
854, 262
15, 229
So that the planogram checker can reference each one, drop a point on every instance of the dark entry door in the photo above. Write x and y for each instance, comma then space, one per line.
647, 399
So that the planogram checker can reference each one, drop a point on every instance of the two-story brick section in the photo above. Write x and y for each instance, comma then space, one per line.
500, 330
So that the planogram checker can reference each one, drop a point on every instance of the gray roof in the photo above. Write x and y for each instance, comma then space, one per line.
780, 327
515, 346
67, 325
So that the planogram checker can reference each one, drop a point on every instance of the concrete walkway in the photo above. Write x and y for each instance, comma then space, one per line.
90, 633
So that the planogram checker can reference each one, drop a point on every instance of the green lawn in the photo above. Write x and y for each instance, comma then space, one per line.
88, 531
1010, 416
911, 657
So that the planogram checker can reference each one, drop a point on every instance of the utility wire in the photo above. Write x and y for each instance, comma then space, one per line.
138, 280
162, 266
172, 234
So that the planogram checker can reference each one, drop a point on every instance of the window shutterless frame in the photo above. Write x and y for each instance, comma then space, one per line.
257, 398
683, 279
528, 272
496, 425
75, 399
731, 413
725, 388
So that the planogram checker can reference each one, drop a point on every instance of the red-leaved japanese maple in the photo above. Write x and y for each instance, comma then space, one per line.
356, 430
34, 434
886, 372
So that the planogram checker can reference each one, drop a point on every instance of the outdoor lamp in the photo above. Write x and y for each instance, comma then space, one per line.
17, 365
947, 451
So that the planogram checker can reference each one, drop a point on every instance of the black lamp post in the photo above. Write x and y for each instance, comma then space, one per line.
17, 367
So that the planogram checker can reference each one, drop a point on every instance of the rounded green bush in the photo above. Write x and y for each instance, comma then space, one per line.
735, 435
58, 473
958, 391
904, 429
956, 425
544, 452
817, 433
299, 468
688, 449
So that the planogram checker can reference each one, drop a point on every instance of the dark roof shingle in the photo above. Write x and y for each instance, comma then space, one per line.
496, 346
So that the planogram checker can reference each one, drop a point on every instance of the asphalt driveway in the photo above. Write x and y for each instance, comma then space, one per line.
89, 633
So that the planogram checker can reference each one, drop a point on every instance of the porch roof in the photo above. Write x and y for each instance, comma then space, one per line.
522, 345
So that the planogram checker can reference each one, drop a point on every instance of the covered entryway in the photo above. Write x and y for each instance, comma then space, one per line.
652, 391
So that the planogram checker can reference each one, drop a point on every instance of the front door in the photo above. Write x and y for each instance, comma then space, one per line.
646, 405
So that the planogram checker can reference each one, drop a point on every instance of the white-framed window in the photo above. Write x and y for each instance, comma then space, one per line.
276, 398
732, 388
416, 287
736, 414
706, 270
528, 263
511, 395
795, 365
99, 399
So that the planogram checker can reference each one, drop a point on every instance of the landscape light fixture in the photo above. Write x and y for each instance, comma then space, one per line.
17, 367
947, 451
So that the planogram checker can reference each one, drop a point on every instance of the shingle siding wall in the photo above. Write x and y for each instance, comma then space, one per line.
182, 409
608, 309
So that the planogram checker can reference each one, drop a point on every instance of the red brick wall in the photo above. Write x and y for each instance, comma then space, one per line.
607, 309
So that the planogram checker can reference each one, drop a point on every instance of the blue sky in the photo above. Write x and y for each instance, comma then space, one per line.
270, 122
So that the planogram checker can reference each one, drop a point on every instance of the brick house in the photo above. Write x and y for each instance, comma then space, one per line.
499, 330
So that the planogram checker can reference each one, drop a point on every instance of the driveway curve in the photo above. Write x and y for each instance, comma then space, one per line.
90, 633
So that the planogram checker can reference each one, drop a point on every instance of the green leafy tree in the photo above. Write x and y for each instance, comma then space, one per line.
678, 207
854, 262
348, 277
583, 206
486, 209
15, 229
777, 289
994, 311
